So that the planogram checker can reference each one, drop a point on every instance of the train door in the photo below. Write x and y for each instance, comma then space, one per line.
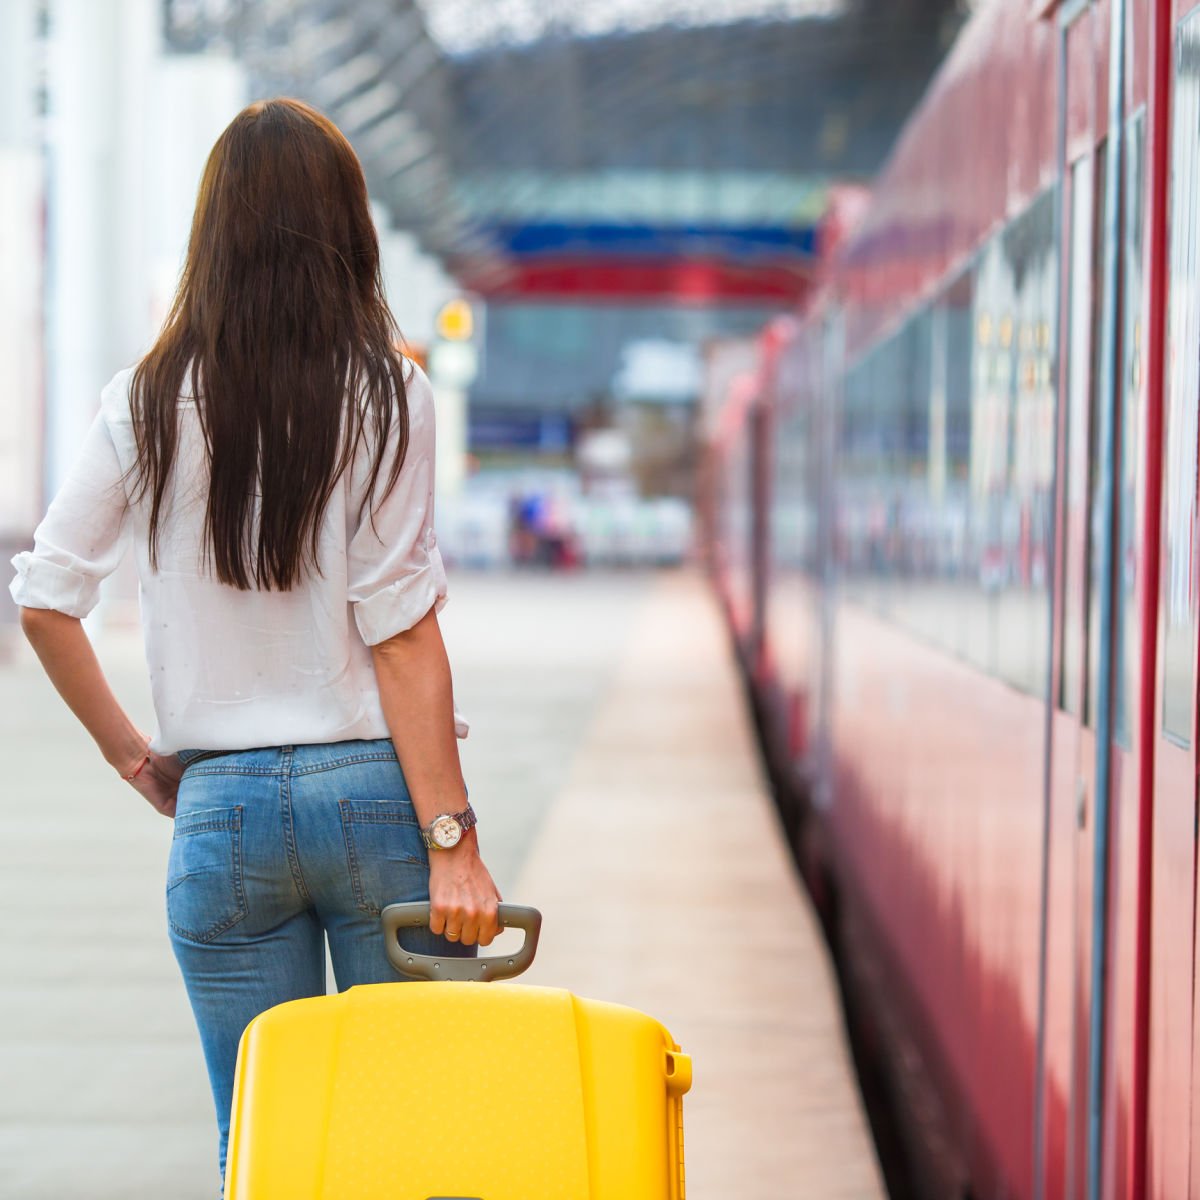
1170, 1157
1072, 747
1094, 1122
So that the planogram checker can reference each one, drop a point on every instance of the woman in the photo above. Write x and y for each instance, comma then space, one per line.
271, 460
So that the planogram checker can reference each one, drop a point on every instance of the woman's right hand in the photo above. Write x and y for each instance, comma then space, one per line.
463, 899
158, 782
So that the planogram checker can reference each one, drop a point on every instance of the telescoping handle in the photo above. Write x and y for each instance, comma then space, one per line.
431, 966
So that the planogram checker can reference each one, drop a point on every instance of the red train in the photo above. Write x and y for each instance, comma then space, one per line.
951, 510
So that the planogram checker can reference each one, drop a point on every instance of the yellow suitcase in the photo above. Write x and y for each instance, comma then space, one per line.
456, 1091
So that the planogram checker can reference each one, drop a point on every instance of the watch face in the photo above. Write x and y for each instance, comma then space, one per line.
446, 832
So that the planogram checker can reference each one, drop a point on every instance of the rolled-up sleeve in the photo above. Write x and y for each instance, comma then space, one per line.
79, 541
395, 573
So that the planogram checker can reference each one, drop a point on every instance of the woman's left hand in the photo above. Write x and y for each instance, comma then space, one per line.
158, 782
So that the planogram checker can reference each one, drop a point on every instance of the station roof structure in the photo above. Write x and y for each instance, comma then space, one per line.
626, 150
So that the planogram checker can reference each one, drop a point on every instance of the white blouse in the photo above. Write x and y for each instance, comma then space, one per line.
230, 670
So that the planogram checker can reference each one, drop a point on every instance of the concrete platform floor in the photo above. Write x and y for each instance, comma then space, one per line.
613, 768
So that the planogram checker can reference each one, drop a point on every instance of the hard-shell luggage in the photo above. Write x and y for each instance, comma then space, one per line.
455, 1091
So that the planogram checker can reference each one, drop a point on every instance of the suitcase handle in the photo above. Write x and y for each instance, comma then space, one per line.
430, 966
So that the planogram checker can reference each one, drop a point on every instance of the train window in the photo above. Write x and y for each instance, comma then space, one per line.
956, 305
1087, 220
1022, 505
988, 472
1125, 650
1183, 393
946, 461
893, 372
929, 472
908, 479
949, 481
856, 546
793, 526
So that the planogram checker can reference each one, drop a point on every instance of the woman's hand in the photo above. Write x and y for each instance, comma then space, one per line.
70, 661
158, 781
462, 897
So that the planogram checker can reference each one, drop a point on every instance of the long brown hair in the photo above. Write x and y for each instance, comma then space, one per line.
280, 316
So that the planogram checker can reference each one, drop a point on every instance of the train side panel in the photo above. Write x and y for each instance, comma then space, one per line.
927, 609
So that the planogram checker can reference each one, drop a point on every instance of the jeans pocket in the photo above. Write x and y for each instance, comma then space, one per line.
385, 851
205, 896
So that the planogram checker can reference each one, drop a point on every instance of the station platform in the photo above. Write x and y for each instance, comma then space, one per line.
613, 766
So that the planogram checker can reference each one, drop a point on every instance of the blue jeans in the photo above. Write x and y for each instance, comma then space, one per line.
275, 849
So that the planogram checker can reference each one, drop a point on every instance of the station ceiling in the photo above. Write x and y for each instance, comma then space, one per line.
619, 149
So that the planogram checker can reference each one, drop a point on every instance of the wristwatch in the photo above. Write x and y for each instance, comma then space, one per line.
446, 830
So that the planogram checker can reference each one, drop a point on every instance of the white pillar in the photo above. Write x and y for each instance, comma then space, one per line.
128, 130
21, 281
81, 136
